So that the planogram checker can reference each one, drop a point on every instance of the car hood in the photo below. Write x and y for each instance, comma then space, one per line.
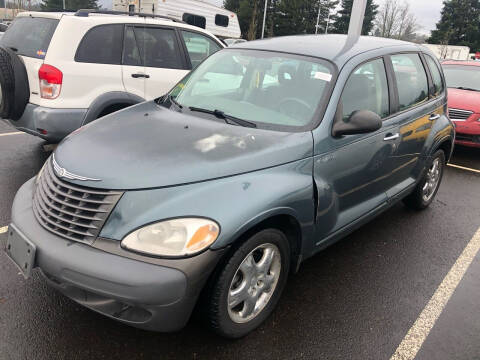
464, 99
148, 146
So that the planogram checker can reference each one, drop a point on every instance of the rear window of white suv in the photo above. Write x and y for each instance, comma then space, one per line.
29, 36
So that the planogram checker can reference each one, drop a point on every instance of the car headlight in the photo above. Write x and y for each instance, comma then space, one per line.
176, 237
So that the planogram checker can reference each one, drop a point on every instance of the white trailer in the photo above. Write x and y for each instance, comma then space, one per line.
449, 52
220, 22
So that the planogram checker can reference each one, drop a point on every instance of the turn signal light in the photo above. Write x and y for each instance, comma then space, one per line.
50, 81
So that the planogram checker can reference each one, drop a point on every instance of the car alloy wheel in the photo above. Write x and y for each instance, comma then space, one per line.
254, 283
432, 181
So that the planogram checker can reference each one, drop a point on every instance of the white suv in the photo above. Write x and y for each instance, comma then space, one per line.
59, 71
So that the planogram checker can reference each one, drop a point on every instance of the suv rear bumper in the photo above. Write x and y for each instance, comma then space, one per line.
57, 123
141, 294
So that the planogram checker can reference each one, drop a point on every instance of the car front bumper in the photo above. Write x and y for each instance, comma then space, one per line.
133, 291
49, 123
468, 133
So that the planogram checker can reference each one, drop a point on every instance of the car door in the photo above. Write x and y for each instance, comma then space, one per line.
417, 112
164, 59
352, 177
198, 46
133, 69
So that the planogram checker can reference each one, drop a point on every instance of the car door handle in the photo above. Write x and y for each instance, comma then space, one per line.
434, 117
136, 76
391, 137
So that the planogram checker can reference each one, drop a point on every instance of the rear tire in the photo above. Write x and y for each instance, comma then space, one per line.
427, 188
13, 84
248, 275
7, 84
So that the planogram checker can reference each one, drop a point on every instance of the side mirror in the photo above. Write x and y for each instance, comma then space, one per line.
360, 122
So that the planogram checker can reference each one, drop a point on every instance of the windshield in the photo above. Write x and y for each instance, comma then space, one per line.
30, 36
271, 90
462, 76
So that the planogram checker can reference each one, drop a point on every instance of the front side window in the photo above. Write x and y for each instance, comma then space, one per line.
411, 78
221, 20
438, 86
199, 47
102, 45
462, 77
30, 36
366, 89
158, 47
195, 20
272, 90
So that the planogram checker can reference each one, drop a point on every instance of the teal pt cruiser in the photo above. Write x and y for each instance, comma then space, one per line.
210, 196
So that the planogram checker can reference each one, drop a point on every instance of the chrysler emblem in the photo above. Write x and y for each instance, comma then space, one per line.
63, 173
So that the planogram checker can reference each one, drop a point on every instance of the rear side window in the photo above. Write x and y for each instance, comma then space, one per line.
158, 47
102, 45
366, 89
30, 36
411, 78
195, 20
199, 47
131, 52
438, 86
221, 20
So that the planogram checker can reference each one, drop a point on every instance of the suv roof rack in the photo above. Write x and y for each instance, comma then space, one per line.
87, 12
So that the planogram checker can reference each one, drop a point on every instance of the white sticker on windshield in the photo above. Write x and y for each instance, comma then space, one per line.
322, 76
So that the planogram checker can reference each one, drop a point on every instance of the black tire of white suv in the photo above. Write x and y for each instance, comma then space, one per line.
15, 91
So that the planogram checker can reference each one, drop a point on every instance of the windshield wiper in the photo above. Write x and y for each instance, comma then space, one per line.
173, 101
13, 48
466, 88
228, 118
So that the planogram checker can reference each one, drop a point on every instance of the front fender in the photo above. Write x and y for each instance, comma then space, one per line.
236, 203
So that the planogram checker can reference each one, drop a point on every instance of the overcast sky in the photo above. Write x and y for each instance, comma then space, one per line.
427, 12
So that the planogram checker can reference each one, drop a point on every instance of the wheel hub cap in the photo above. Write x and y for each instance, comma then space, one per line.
254, 283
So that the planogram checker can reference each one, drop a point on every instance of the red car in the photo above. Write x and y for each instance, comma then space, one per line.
463, 81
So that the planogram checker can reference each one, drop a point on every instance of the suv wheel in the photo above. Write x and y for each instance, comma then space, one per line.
249, 286
14, 88
427, 188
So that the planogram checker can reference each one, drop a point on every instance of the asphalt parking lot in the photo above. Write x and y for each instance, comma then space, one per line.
356, 300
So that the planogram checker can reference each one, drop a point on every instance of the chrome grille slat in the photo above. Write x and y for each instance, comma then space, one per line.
44, 209
47, 202
71, 211
70, 196
76, 188
52, 196
57, 223
459, 114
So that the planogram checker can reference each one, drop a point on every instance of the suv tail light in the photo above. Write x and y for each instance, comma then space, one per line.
50, 81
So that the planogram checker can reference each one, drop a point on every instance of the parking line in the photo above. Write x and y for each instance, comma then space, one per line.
464, 168
3, 229
13, 133
413, 341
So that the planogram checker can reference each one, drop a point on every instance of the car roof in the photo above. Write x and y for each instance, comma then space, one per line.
461, 62
118, 18
334, 47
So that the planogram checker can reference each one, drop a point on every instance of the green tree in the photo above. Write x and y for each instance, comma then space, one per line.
69, 4
284, 17
343, 21
459, 24
300, 16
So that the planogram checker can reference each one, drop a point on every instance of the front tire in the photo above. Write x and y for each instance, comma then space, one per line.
247, 289
427, 188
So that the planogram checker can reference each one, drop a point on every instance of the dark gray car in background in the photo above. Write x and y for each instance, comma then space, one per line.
211, 195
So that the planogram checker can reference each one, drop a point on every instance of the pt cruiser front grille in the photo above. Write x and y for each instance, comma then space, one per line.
71, 211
